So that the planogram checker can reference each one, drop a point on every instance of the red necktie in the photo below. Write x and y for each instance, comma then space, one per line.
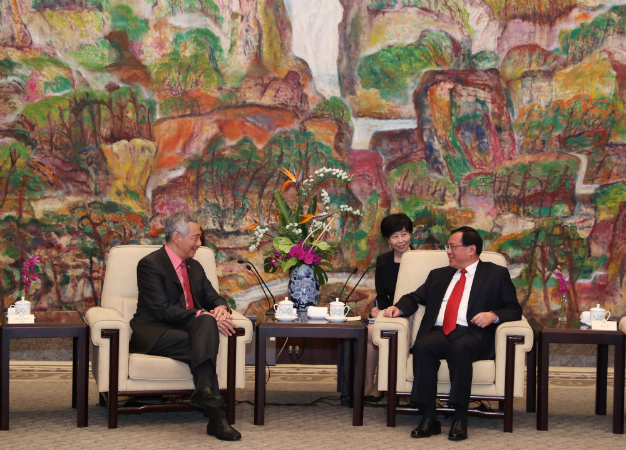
452, 308
186, 288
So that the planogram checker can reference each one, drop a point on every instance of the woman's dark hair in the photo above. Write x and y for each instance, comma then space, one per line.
470, 237
394, 223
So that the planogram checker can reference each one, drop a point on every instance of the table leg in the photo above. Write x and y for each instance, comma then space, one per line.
531, 379
80, 388
601, 378
74, 369
259, 376
618, 388
359, 379
542, 383
340, 363
347, 376
4, 381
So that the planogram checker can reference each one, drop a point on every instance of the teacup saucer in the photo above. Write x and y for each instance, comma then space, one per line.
335, 319
286, 319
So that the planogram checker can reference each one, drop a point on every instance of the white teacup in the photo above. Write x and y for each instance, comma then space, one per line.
585, 317
284, 308
338, 309
22, 307
599, 314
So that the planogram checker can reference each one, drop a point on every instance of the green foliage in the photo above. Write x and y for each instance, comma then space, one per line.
41, 5
208, 7
485, 60
611, 197
545, 129
94, 56
414, 186
41, 62
540, 188
334, 108
57, 85
537, 11
579, 43
192, 63
9, 67
450, 9
396, 70
123, 18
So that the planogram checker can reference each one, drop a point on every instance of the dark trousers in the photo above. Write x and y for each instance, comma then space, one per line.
195, 344
460, 349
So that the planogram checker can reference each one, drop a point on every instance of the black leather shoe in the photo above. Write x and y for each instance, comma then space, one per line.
458, 432
219, 427
206, 398
427, 428
373, 398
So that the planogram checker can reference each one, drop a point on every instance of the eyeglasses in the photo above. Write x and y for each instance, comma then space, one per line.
452, 247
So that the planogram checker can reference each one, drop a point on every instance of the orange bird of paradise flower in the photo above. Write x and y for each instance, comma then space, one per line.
292, 178
252, 226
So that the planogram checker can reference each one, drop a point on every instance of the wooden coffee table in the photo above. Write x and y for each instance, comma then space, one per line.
353, 332
551, 331
49, 324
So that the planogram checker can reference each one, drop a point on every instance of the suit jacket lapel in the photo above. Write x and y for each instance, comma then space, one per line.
479, 278
192, 285
171, 272
444, 286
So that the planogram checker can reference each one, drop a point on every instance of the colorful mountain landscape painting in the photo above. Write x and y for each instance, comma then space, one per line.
507, 116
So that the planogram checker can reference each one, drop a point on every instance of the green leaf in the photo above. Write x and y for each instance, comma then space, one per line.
323, 246
283, 208
290, 263
312, 206
283, 244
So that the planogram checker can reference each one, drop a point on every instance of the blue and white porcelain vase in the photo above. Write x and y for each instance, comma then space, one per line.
304, 291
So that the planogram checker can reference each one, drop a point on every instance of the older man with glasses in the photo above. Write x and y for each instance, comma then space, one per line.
464, 304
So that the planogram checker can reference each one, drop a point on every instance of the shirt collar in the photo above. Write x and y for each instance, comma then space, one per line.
471, 269
176, 260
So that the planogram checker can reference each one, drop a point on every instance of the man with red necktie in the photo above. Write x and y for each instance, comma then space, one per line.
464, 303
180, 315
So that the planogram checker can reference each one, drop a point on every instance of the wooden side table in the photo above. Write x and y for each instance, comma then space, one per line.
353, 332
551, 331
49, 324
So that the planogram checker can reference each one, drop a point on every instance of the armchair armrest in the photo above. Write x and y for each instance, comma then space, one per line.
521, 332
99, 318
622, 324
402, 326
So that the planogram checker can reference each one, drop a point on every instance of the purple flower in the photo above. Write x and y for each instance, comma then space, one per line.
296, 251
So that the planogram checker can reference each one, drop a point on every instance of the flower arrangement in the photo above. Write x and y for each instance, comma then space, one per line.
301, 238
563, 279
29, 274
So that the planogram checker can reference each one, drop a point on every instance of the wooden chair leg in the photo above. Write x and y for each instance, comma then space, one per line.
114, 358
509, 380
392, 376
231, 375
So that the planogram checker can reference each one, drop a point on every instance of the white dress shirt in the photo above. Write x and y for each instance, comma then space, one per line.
469, 279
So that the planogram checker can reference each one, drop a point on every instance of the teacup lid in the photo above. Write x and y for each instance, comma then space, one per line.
597, 308
22, 301
286, 301
337, 301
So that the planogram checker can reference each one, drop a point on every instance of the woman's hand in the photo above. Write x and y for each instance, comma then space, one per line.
374, 312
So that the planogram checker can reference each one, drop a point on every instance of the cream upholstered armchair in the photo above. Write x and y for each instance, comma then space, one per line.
120, 373
500, 380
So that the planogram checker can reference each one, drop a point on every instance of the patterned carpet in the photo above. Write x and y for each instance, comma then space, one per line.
41, 417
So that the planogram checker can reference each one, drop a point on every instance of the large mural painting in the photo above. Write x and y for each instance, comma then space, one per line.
504, 115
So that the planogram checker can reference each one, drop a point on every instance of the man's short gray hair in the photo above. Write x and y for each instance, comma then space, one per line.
178, 222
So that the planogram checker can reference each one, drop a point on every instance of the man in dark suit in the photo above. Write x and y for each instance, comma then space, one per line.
464, 303
180, 315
